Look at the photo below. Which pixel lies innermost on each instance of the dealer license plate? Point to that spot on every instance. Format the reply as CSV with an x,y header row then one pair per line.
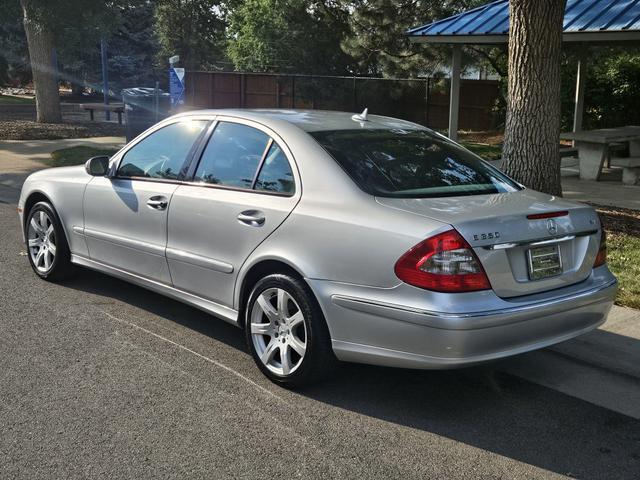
x,y
544,262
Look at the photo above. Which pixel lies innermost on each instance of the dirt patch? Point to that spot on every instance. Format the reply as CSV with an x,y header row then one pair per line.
x,y
489,137
27,130
619,220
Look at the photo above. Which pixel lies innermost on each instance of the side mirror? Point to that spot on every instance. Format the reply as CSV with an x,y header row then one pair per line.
x,y
97,166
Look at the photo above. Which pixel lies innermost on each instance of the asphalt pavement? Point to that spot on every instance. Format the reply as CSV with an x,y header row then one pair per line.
x,y
99,378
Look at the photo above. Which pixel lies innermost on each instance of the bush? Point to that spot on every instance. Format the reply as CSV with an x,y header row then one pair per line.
x,y
612,91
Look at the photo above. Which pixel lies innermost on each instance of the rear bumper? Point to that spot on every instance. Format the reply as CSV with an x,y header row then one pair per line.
x,y
429,330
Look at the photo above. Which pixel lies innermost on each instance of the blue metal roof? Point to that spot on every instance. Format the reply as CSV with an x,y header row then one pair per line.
x,y
584,20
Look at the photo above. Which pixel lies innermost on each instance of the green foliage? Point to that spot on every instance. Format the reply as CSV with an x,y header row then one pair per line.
x,y
377,39
486,151
624,261
133,48
14,57
612,89
301,36
76,155
193,29
11,100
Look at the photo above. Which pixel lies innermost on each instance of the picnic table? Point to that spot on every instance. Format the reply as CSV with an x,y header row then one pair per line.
x,y
117,108
594,148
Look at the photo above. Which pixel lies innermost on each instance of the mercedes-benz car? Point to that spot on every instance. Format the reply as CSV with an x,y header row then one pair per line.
x,y
327,235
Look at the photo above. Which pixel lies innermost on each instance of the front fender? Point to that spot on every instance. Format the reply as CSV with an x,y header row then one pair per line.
x,y
64,188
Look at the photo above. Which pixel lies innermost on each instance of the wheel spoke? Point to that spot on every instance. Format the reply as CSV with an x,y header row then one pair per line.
x,y
52,249
285,358
34,242
49,231
39,257
269,352
47,261
43,220
283,301
298,345
35,225
262,329
295,319
267,308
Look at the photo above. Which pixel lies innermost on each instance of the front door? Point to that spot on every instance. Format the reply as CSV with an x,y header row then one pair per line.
x,y
126,215
242,190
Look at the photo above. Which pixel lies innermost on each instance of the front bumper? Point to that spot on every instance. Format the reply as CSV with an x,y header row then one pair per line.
x,y
412,328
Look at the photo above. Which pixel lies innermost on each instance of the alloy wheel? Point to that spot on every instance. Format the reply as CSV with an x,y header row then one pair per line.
x,y
41,240
278,331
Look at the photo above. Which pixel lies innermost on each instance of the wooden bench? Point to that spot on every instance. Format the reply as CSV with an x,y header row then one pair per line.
x,y
117,108
630,169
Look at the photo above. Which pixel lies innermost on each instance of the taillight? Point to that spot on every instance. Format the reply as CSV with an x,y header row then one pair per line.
x,y
443,263
601,258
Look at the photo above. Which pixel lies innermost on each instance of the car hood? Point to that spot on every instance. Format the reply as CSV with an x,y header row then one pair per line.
x,y
73,171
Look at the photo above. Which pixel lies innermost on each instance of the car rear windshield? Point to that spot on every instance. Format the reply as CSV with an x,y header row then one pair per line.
x,y
411,164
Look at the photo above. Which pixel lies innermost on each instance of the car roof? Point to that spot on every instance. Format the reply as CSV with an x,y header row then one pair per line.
x,y
313,120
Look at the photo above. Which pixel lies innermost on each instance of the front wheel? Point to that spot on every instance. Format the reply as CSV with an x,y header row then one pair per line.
x,y
47,246
286,332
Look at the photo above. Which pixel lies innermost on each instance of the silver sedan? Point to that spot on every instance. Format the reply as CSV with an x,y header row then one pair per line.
x,y
328,236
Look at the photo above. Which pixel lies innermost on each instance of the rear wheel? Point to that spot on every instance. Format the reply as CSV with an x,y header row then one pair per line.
x,y
286,332
47,246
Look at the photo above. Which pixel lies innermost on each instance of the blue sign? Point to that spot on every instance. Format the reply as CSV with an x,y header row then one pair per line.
x,y
176,86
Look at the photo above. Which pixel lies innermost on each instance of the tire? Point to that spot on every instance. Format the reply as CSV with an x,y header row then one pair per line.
x,y
292,321
46,243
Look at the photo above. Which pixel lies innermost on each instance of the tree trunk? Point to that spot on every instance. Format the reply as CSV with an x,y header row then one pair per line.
x,y
532,133
45,79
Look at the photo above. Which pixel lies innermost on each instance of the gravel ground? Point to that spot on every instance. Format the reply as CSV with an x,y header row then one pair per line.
x,y
28,130
100,378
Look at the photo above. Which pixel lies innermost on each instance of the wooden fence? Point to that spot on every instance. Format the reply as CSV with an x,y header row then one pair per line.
x,y
424,101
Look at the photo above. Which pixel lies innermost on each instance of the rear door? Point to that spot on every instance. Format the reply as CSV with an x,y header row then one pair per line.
x,y
126,215
243,188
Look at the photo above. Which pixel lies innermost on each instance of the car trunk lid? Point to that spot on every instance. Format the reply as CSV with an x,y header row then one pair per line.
x,y
520,255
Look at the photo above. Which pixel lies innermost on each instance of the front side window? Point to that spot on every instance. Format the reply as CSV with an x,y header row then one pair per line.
x,y
232,155
275,174
163,153
411,164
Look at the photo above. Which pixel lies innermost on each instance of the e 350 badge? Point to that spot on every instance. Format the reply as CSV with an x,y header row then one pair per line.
x,y
486,236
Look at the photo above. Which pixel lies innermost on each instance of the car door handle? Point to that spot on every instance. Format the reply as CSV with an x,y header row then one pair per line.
x,y
158,202
253,218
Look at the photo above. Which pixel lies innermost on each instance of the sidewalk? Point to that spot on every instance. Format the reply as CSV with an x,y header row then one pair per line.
x,y
614,346
601,367
614,194
18,158
607,193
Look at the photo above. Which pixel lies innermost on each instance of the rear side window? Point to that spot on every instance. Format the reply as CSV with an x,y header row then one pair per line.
x,y
275,174
232,155
163,153
411,164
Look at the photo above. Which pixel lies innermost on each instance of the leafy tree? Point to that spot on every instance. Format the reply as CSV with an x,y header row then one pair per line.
x,y
193,29
14,57
302,36
46,24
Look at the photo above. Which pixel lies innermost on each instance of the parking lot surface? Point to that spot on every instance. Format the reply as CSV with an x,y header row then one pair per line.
x,y
100,378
